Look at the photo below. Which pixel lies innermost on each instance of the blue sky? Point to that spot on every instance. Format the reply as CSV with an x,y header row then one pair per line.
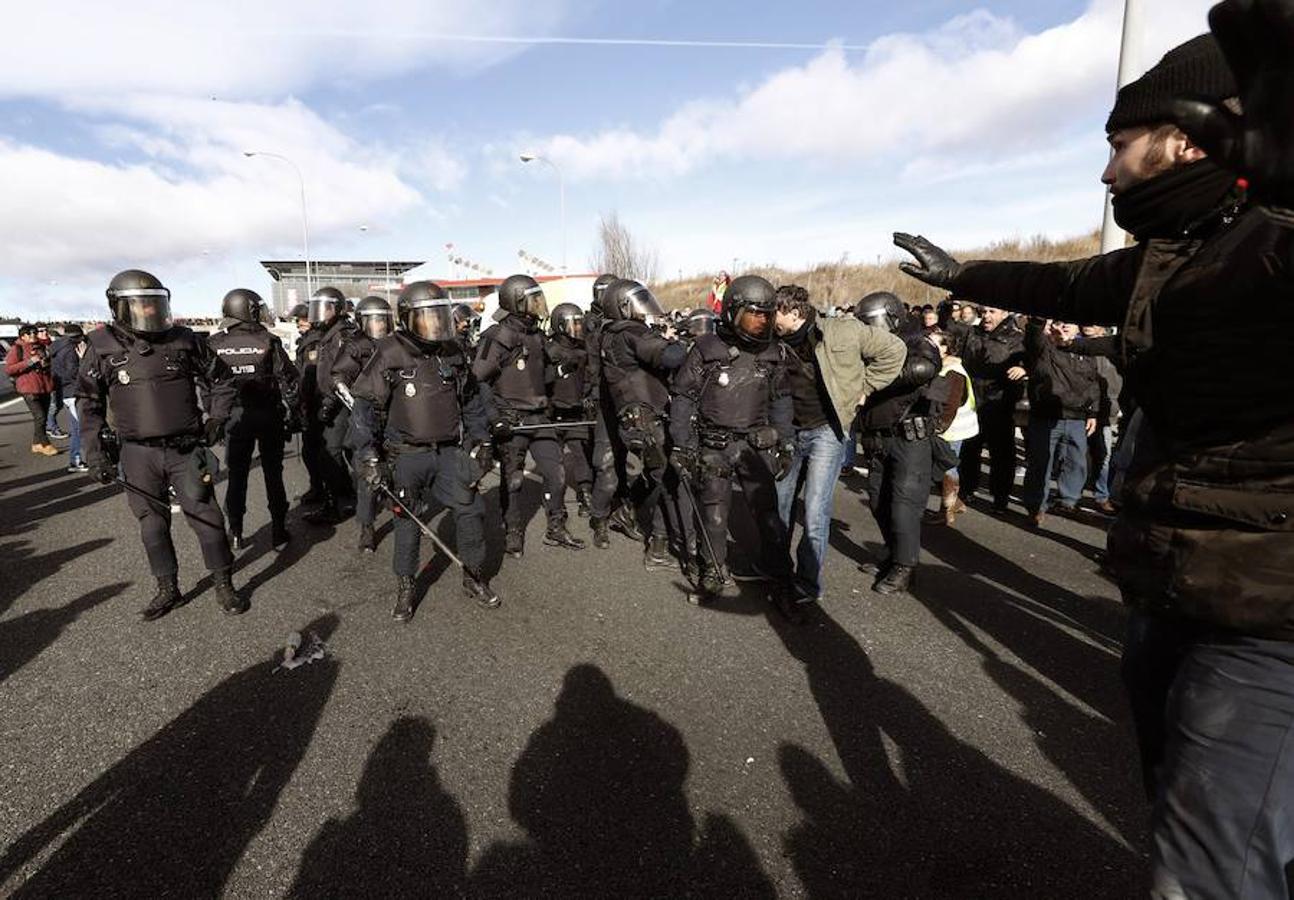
x,y
122,126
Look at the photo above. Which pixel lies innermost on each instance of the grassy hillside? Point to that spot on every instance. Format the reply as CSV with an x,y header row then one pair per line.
x,y
832,284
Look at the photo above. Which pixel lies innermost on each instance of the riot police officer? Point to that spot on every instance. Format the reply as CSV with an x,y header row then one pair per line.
x,y
698,322
328,314
638,357
376,321
142,371
512,362
266,412
732,416
572,397
307,359
436,435
610,480
467,325
896,428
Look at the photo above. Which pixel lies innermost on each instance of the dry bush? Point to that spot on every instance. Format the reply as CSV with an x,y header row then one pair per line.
x,y
840,283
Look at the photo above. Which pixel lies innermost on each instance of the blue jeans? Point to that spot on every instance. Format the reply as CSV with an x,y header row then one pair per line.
x,y
74,449
1101,444
1214,714
824,452
1045,439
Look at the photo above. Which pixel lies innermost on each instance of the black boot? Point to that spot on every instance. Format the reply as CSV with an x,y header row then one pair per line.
x,y
876,569
279,535
624,521
165,600
314,495
601,538
896,580
707,581
403,610
230,602
582,503
367,540
657,557
477,587
236,539
786,600
514,543
558,536
328,514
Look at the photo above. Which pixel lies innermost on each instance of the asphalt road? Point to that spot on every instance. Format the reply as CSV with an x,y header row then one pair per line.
x,y
595,736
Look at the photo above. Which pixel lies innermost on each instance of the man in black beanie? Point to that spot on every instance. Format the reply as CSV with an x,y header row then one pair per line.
x,y
1202,173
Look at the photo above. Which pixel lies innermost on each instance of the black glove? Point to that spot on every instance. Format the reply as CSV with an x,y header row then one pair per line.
x,y
213,432
590,409
370,468
103,472
685,462
482,457
292,424
328,409
783,457
501,430
933,266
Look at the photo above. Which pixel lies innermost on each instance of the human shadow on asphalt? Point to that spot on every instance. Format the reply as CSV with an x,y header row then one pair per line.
x,y
1092,746
407,836
599,791
25,637
25,568
52,500
921,813
35,478
173,817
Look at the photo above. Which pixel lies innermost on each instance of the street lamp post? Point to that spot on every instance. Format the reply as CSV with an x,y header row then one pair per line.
x,y
1112,236
305,222
561,191
386,286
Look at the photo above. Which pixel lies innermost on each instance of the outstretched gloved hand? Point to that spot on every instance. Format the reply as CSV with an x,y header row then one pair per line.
x,y
213,432
1257,38
103,472
934,265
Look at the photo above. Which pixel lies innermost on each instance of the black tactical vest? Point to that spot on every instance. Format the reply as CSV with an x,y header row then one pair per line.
x,y
736,387
570,364
151,392
520,382
628,377
425,391
249,352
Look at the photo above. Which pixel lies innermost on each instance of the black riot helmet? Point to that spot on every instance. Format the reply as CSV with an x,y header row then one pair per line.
x,y
467,321
242,304
631,300
567,319
375,317
600,285
522,296
426,312
300,311
701,321
881,309
749,306
326,304
139,302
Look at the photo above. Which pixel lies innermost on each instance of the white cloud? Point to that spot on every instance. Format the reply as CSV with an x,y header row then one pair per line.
x,y
975,86
237,49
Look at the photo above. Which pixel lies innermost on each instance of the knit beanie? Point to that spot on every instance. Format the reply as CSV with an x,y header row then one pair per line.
x,y
1196,70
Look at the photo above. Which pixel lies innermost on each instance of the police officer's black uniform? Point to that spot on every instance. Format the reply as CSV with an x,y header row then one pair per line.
x,y
436,437
896,429
732,415
328,312
511,361
307,359
637,362
268,385
141,373
376,321
573,398
610,477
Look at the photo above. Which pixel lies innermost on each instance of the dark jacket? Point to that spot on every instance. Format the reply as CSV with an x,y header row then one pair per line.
x,y
1061,385
987,355
1206,531
64,365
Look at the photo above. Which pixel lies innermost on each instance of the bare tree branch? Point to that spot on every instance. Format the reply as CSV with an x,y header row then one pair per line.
x,y
620,253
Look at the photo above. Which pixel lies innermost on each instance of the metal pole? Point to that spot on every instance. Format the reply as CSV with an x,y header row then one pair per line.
x,y
1112,236
305,219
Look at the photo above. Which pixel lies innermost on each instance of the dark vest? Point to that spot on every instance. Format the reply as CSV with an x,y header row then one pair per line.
x,y
570,362
151,391
521,380
425,390
629,377
248,349
736,387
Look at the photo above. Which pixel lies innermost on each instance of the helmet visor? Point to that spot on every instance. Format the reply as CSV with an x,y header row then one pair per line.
x,y
699,325
755,322
376,324
322,308
534,302
145,309
431,323
642,305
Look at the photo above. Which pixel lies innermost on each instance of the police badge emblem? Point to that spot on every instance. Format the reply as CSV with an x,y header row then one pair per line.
x,y
312,355
410,389
521,365
723,379
123,376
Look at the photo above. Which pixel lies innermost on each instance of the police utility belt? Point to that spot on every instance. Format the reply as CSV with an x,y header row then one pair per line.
x,y
395,448
184,442
916,428
763,437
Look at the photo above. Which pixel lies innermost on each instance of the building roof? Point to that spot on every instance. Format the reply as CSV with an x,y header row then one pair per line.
x,y
296,267
494,281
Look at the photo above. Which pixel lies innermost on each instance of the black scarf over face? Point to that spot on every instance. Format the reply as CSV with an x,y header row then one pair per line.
x,y
1169,204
